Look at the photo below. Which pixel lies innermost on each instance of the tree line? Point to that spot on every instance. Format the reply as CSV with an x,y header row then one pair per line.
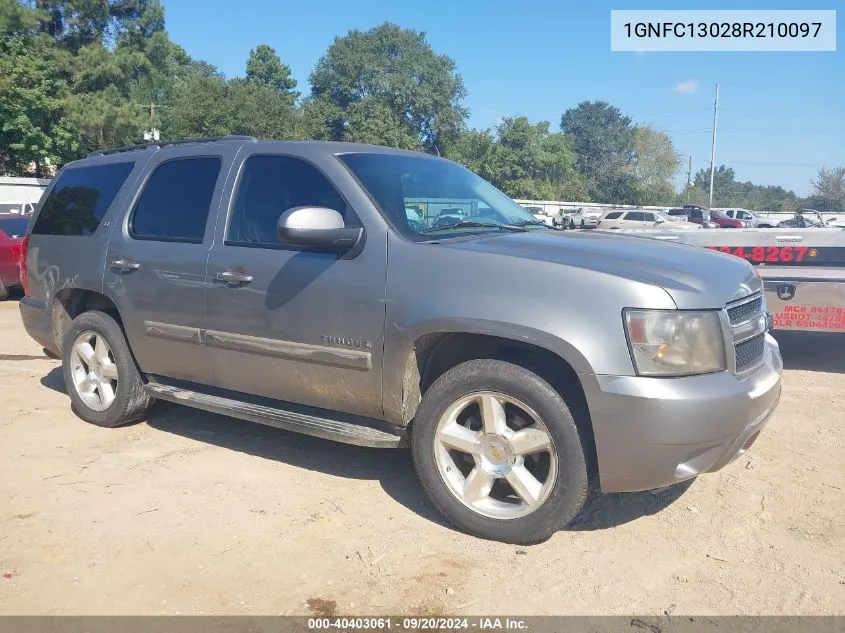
x,y
81,75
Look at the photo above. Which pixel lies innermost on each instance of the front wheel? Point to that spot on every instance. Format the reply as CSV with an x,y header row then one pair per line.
x,y
498,452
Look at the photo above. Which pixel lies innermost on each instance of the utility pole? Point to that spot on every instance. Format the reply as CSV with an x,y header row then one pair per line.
x,y
713,150
153,133
689,177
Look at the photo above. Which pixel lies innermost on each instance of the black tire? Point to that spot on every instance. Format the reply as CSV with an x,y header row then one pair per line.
x,y
131,400
571,485
582,224
4,291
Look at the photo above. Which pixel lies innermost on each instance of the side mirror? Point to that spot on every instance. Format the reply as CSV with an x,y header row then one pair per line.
x,y
317,227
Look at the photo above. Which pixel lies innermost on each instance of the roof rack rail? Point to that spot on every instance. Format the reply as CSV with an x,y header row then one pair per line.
x,y
170,143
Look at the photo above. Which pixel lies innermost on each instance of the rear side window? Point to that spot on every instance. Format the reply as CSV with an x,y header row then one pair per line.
x,y
175,202
613,215
635,216
80,199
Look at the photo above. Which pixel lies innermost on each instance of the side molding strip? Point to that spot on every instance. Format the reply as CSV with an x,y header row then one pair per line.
x,y
319,354
181,333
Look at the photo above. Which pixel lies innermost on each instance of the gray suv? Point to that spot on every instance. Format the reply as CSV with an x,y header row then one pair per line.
x,y
282,283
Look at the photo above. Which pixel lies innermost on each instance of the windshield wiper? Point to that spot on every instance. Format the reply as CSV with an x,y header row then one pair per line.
x,y
535,223
473,224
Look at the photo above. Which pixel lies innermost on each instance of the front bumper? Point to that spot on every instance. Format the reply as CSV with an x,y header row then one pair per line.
x,y
654,432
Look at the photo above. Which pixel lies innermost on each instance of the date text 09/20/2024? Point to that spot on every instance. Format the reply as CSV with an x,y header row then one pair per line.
x,y
414,624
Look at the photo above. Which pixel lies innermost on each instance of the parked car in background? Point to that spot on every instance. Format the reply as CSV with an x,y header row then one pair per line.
x,y
415,219
696,215
540,215
563,219
723,221
251,279
12,231
749,219
643,220
707,218
580,219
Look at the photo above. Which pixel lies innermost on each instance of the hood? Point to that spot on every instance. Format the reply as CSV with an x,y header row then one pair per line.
x,y
694,277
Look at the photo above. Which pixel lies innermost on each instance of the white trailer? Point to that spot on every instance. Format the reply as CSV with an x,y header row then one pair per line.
x,y
803,270
18,196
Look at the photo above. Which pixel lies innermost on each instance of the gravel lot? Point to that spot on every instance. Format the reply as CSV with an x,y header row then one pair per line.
x,y
196,513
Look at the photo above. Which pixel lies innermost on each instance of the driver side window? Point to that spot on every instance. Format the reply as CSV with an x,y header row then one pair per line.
x,y
269,185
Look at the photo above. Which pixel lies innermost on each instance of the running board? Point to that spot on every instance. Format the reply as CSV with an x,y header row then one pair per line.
x,y
330,429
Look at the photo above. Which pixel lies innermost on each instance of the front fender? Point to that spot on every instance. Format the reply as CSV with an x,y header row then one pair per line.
x,y
402,344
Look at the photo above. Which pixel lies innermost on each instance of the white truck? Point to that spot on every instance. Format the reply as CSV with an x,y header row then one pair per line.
x,y
803,270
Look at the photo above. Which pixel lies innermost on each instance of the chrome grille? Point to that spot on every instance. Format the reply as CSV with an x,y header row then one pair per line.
x,y
745,311
749,353
748,323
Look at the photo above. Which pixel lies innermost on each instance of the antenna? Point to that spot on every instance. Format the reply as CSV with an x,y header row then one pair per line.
x,y
713,150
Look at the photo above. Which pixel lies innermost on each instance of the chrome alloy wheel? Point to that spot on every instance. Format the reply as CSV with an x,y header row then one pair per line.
x,y
495,455
94,370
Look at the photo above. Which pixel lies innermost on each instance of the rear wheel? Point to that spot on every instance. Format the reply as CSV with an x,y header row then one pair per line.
x,y
102,380
499,453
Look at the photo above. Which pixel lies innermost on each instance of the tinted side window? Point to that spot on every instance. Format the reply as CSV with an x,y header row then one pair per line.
x,y
635,216
269,186
613,215
695,214
174,204
80,198
649,217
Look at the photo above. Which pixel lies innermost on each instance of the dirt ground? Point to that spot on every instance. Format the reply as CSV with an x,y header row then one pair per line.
x,y
195,513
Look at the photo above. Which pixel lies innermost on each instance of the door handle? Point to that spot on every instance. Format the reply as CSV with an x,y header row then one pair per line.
x,y
234,277
125,264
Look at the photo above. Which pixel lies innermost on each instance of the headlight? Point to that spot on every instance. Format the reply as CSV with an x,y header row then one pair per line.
x,y
674,343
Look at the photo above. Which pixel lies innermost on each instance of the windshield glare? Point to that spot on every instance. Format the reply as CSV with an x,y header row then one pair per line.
x,y
419,193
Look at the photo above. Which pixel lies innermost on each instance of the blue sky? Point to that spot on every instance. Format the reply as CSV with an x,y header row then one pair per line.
x,y
781,117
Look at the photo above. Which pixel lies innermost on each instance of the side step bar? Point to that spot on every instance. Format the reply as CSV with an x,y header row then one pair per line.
x,y
339,431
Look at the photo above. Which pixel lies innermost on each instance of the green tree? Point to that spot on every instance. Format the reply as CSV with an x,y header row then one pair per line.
x,y
603,140
475,149
395,69
261,111
265,68
829,191
34,133
728,192
655,164
523,159
198,107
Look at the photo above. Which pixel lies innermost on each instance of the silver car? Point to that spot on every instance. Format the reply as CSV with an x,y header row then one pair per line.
x,y
285,283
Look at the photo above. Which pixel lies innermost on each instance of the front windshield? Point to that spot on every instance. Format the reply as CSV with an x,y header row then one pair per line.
x,y
421,194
